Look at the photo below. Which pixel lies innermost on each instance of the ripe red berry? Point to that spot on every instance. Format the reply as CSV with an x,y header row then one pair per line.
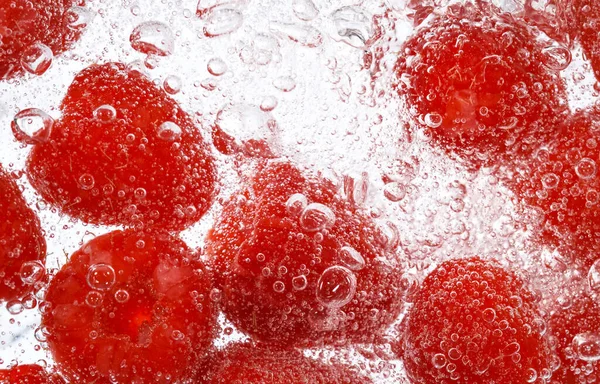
x,y
478,83
22,245
561,180
474,322
249,363
31,32
28,374
124,153
578,342
299,264
129,307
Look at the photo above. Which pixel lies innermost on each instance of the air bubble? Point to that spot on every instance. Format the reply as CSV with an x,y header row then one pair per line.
x,y
587,346
586,168
216,66
86,181
93,299
172,84
268,104
299,283
556,58
32,126
284,84
31,272
223,21
169,131
594,276
351,258
317,217
37,59
336,287
438,360
15,307
121,296
78,17
278,286
153,38
296,204
433,120
105,113
101,276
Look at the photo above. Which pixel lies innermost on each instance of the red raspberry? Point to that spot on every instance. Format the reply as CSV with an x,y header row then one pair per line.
x,y
29,27
22,245
259,364
129,307
562,181
301,265
475,80
474,322
28,374
124,153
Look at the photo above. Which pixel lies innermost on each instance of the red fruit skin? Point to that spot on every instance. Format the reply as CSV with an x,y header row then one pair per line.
x,y
474,80
25,22
28,374
587,21
261,364
255,225
21,239
583,317
452,316
165,325
561,180
120,172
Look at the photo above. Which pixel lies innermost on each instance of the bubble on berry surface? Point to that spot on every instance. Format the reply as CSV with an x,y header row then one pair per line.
x,y
279,286
32,126
172,84
336,287
352,26
32,272
296,204
86,182
594,276
94,299
153,38
439,361
37,59
216,66
101,277
351,258
556,57
317,217
299,283
121,296
78,17
105,113
305,10
587,346
433,120
305,35
169,131
222,21
586,168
